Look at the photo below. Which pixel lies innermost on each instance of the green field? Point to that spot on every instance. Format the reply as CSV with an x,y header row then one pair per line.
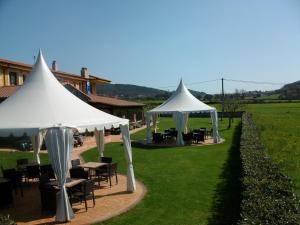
x,y
186,185
279,125
199,185
8,159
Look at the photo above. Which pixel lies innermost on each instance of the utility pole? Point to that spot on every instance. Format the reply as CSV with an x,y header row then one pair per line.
x,y
222,99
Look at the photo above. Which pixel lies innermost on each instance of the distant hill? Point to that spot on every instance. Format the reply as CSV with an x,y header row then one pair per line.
x,y
290,91
129,91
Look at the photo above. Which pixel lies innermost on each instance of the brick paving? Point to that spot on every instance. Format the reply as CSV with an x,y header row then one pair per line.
x,y
90,142
110,202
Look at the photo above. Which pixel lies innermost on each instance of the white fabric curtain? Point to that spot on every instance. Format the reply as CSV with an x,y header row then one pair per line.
x,y
214,120
179,122
186,120
148,123
154,121
99,136
128,155
59,142
37,141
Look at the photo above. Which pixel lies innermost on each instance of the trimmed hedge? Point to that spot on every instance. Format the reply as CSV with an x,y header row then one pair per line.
x,y
268,197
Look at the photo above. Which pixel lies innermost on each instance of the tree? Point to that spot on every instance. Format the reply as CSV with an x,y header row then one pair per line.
x,y
232,103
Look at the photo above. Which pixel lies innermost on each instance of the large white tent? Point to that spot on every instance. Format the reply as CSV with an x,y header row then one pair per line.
x,y
180,105
43,108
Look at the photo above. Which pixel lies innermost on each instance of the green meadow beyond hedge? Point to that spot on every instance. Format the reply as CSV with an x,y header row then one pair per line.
x,y
268,195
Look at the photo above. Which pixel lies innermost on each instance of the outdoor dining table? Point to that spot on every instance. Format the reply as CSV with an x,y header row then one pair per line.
x,y
92,166
70,182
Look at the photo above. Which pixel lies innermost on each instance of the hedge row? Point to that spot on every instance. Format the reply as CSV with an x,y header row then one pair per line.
x,y
268,197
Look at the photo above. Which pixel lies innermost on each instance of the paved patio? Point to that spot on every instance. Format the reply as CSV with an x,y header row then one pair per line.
x,y
110,202
208,141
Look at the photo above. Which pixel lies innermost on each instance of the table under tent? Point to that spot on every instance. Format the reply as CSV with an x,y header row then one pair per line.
x,y
180,105
44,109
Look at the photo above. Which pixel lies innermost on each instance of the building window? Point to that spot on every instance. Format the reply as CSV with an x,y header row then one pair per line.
x,y
24,77
13,78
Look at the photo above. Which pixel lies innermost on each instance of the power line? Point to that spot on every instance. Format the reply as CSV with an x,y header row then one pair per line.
x,y
225,79
254,82
189,84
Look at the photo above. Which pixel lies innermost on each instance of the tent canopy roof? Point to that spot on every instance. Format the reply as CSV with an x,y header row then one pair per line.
x,y
182,101
42,102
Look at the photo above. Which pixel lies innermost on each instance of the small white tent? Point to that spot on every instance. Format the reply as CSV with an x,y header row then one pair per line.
x,y
180,105
42,107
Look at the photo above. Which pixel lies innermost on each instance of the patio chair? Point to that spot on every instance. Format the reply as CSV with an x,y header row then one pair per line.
x,y
157,138
47,170
75,163
85,192
79,173
187,138
21,162
106,159
48,198
174,133
32,172
205,131
198,136
15,177
44,179
108,173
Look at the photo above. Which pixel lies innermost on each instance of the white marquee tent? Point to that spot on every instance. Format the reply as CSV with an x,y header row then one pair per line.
x,y
43,108
180,105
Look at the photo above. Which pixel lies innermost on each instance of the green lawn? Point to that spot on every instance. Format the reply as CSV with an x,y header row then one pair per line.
x,y
186,185
8,159
280,132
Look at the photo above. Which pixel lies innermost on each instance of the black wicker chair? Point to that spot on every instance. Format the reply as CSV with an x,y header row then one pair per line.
x,y
6,197
32,172
187,138
16,179
157,138
106,159
48,198
108,172
85,192
79,172
75,163
47,170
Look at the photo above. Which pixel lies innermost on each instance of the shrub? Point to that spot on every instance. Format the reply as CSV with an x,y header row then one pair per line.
x,y
268,196
6,220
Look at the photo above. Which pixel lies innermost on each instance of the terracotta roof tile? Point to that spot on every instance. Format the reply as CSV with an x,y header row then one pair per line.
x,y
7,91
112,101
62,73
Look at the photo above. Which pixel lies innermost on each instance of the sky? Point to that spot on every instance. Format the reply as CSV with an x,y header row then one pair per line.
x,y
155,43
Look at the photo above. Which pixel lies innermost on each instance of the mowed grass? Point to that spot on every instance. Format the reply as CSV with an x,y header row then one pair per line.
x,y
279,125
8,159
186,185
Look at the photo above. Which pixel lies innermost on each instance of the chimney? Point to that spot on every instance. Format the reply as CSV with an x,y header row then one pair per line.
x,y
54,65
84,72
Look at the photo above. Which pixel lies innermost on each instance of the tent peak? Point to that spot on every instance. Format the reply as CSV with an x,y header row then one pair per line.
x,y
181,86
40,59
